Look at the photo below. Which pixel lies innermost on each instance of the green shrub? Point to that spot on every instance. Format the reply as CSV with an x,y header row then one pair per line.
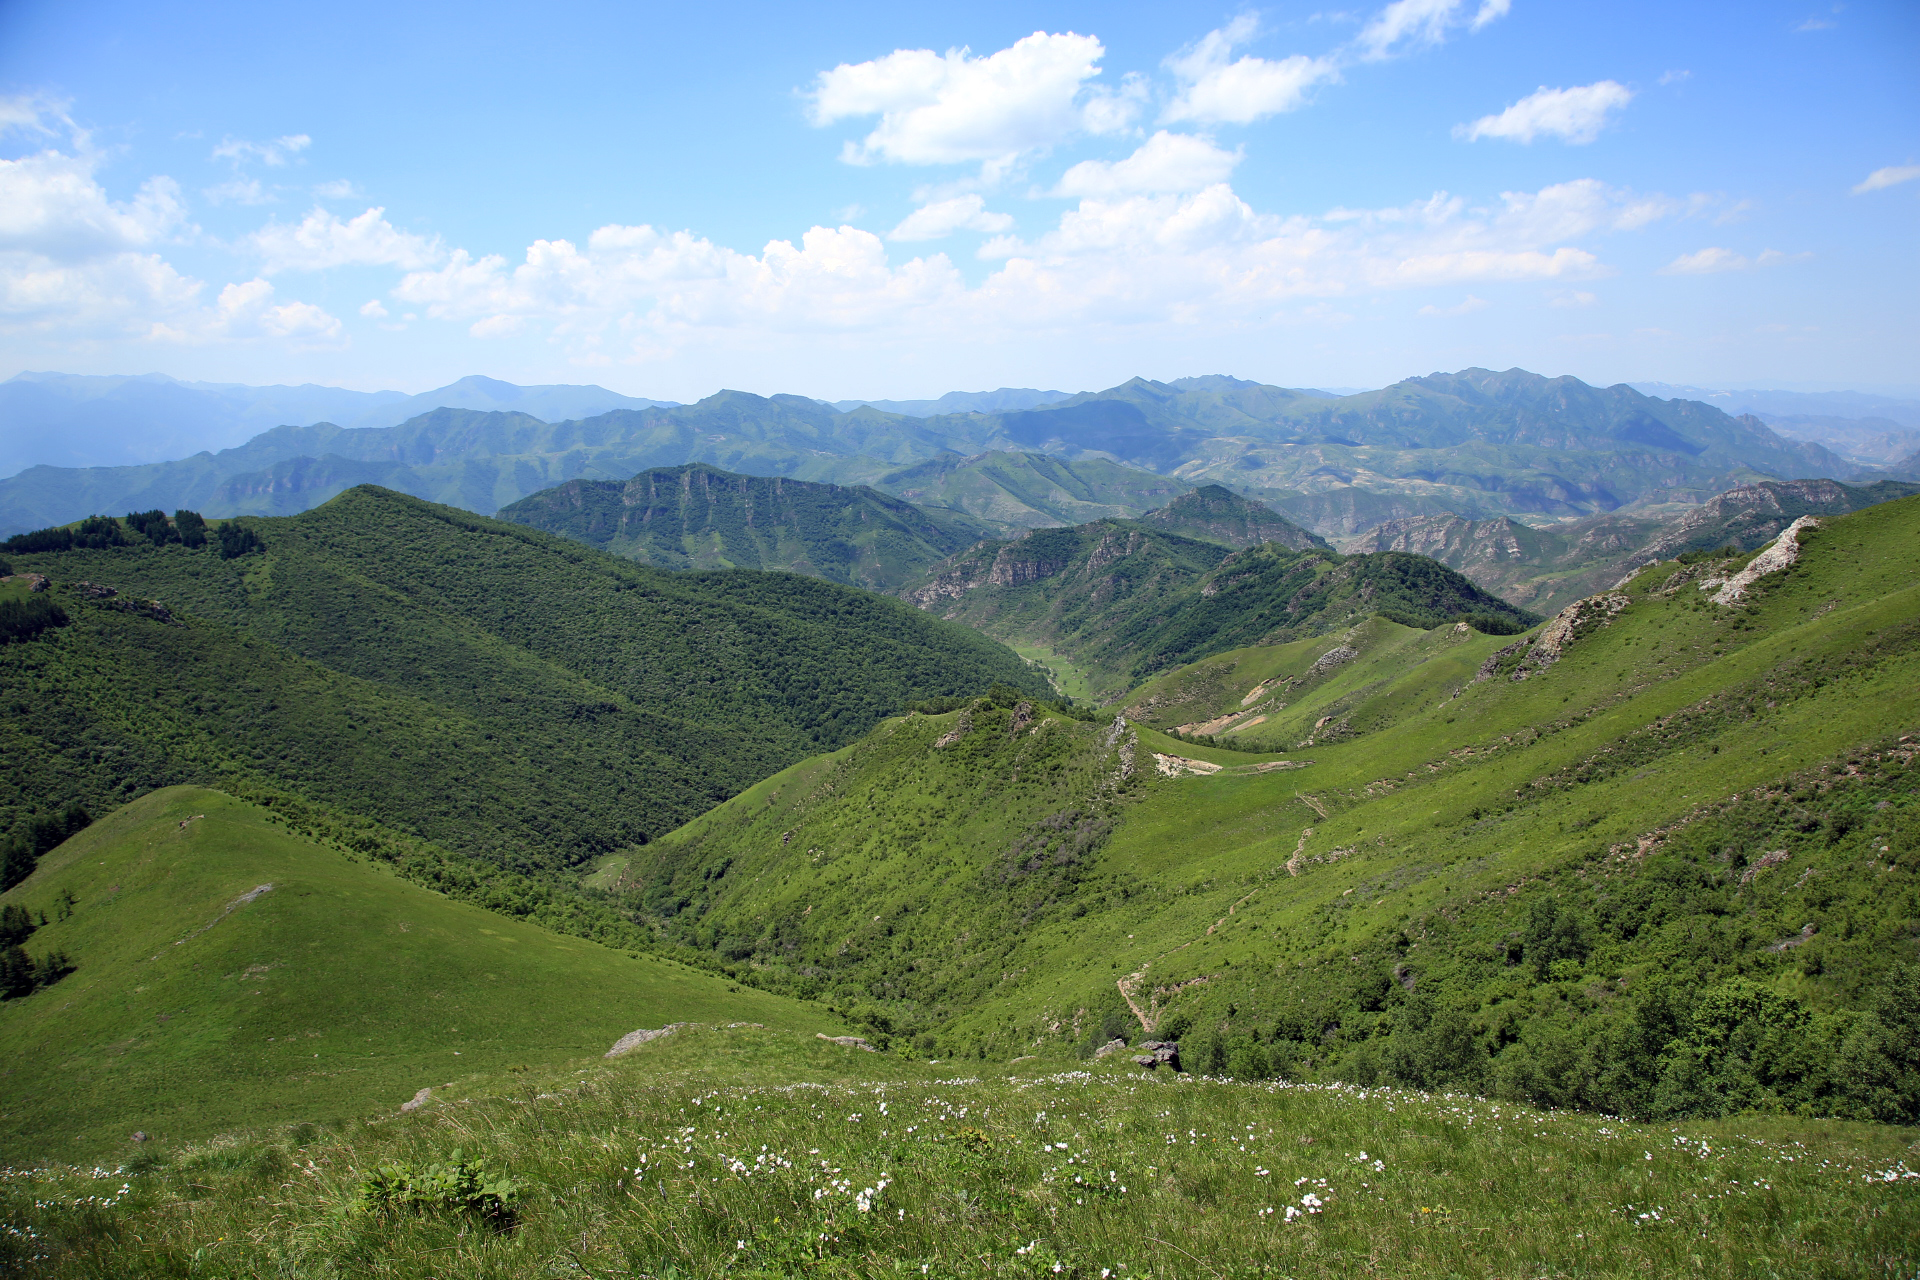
x,y
459,1186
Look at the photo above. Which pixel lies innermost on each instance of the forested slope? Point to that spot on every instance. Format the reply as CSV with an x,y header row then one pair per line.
x,y
497,689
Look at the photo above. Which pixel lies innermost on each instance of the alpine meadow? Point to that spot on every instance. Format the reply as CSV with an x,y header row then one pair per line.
x,y
1381,740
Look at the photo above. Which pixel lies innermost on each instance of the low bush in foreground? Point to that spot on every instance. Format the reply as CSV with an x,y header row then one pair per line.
x,y
622,1172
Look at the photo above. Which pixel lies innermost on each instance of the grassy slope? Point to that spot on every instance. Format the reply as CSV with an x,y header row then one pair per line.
x,y
1432,825
497,689
341,991
697,1155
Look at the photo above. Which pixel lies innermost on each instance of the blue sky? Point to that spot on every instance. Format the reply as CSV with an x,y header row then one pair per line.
x,y
900,201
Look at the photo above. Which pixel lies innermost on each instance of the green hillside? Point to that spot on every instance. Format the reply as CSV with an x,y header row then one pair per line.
x,y
1213,514
501,691
1118,601
699,517
1656,858
200,1001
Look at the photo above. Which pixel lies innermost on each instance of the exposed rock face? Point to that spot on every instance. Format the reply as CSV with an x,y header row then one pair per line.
x,y
417,1101
1339,655
1111,1047
848,1042
1160,1053
634,1039
1752,513
1542,649
1784,551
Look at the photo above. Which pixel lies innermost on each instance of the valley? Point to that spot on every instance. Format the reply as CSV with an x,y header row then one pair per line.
x,y
1528,839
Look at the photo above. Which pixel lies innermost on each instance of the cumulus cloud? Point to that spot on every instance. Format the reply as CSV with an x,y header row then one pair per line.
x,y
1573,115
1576,298
51,204
942,218
274,153
1710,260
245,310
1123,258
240,191
322,240
373,309
954,108
1218,89
1165,162
1406,25
1891,176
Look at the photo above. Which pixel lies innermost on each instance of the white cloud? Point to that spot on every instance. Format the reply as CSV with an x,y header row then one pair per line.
x,y
1891,176
1675,77
338,189
373,310
1164,162
322,240
1577,298
51,204
248,310
1573,115
956,108
1406,25
1218,90
944,217
274,153
1489,11
1467,307
1710,260
1128,259
117,296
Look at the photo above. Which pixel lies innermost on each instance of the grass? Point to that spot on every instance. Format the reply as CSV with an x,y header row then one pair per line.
x,y
743,1153
341,990
1068,678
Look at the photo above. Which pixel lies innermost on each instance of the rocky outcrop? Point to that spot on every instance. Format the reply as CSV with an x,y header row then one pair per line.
x,y
1116,1045
847,1042
1541,650
1783,552
1160,1053
418,1100
634,1039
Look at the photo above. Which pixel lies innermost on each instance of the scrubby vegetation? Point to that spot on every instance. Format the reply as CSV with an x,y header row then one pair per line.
x,y
741,1153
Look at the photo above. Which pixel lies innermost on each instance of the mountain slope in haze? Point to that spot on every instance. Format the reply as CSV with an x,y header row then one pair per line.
x,y
1013,491
74,420
699,517
1769,405
1549,567
221,979
1001,401
1474,443
499,690
1120,600
1656,859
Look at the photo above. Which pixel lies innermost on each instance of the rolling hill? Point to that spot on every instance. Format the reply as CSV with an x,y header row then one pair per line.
x,y
230,972
504,692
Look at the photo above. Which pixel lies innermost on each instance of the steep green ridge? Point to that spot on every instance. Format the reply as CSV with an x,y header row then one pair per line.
x,y
1122,600
1575,869
1473,443
498,690
699,517
1547,568
199,1002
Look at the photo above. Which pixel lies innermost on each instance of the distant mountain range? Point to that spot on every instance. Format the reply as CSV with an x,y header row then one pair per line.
x,y
1878,430
1475,444
77,420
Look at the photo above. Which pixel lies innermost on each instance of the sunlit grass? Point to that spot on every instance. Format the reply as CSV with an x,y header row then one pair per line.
x,y
640,1169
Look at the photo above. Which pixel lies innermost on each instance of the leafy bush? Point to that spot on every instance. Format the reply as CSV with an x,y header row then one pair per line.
x,y
154,526
459,1186
1492,624
192,528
